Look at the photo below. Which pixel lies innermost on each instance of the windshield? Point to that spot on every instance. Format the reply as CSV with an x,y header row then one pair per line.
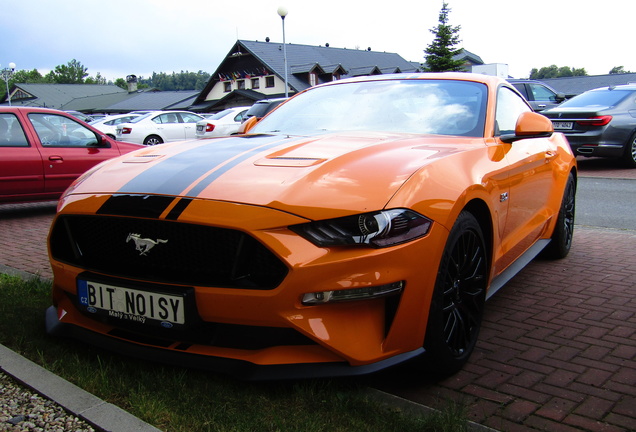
x,y
445,107
141,117
221,114
600,98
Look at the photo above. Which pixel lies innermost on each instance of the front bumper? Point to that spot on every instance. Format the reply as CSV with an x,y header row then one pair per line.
x,y
241,369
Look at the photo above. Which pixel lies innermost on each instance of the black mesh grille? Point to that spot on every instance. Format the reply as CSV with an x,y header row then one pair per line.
x,y
193,254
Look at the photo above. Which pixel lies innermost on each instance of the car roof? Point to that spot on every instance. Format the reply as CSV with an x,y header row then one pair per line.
x,y
627,87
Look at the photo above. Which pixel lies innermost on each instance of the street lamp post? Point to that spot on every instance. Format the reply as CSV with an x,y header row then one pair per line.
x,y
7,73
282,11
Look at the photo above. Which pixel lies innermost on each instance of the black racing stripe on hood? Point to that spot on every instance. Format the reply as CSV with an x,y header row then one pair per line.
x,y
177,173
146,206
178,209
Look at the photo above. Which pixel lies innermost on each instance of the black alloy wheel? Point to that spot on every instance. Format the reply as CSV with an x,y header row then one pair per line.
x,y
561,241
458,299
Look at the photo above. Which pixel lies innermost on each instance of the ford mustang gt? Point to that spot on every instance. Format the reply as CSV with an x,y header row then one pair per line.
x,y
362,223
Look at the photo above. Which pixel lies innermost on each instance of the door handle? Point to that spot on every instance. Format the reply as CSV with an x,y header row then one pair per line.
x,y
56,158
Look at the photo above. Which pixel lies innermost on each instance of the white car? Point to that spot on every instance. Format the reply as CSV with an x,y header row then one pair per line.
x,y
226,122
108,125
159,127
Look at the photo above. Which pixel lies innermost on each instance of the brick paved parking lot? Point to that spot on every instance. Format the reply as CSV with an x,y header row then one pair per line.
x,y
557,350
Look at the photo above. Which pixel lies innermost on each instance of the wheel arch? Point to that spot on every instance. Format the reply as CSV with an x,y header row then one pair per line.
x,y
480,210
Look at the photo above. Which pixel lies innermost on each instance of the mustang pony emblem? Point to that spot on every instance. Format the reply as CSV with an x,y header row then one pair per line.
x,y
143,245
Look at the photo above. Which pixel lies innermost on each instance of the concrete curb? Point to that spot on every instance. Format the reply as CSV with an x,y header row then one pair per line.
x,y
413,408
103,416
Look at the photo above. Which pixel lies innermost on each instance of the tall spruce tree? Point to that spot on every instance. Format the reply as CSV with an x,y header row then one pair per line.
x,y
439,54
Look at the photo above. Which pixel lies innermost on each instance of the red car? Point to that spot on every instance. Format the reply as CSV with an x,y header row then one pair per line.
x,y
43,150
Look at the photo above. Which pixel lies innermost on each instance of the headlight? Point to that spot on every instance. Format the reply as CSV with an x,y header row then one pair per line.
x,y
377,229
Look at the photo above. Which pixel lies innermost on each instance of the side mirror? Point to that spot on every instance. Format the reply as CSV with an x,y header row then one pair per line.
x,y
249,124
560,97
101,141
530,125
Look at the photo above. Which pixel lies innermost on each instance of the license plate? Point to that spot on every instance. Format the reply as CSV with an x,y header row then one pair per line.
x,y
563,125
131,304
199,128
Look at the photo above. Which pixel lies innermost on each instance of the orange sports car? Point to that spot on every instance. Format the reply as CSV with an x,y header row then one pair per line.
x,y
362,223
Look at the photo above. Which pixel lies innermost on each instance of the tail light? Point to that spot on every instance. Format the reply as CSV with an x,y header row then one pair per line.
x,y
126,130
209,127
596,121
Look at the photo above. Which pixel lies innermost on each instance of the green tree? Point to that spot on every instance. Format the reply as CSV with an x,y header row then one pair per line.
x,y
71,73
120,82
554,71
440,53
98,79
618,70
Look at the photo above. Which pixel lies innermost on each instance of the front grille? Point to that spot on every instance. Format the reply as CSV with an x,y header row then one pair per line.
x,y
191,254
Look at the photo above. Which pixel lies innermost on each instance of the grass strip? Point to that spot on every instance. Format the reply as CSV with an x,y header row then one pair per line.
x,y
178,399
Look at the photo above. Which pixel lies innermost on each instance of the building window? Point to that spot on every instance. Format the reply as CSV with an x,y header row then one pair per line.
x,y
335,77
256,83
269,81
241,84
227,87
313,79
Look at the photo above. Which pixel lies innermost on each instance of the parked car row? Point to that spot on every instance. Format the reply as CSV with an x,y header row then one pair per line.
x,y
597,123
600,122
42,151
158,127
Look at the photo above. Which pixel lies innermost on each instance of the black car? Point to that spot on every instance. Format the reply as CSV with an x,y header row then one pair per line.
x,y
600,122
540,95
262,107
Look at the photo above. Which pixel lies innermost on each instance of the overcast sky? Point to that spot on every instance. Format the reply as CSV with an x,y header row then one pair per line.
x,y
122,37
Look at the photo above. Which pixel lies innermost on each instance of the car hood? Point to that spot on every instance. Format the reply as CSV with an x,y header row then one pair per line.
x,y
347,173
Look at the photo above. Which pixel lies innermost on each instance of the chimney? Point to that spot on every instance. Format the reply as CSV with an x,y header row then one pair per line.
x,y
132,83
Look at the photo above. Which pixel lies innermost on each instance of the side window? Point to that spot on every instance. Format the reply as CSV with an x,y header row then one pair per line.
x,y
521,88
11,132
509,108
189,118
166,118
60,131
542,93
239,117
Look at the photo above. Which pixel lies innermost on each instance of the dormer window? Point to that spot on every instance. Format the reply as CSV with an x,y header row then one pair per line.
x,y
313,78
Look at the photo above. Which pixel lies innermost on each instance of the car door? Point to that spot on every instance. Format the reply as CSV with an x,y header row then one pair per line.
x,y
529,179
542,97
189,124
68,149
21,169
169,127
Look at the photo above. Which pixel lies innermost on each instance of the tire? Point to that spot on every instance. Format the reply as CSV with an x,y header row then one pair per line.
x,y
629,157
153,140
458,298
561,240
